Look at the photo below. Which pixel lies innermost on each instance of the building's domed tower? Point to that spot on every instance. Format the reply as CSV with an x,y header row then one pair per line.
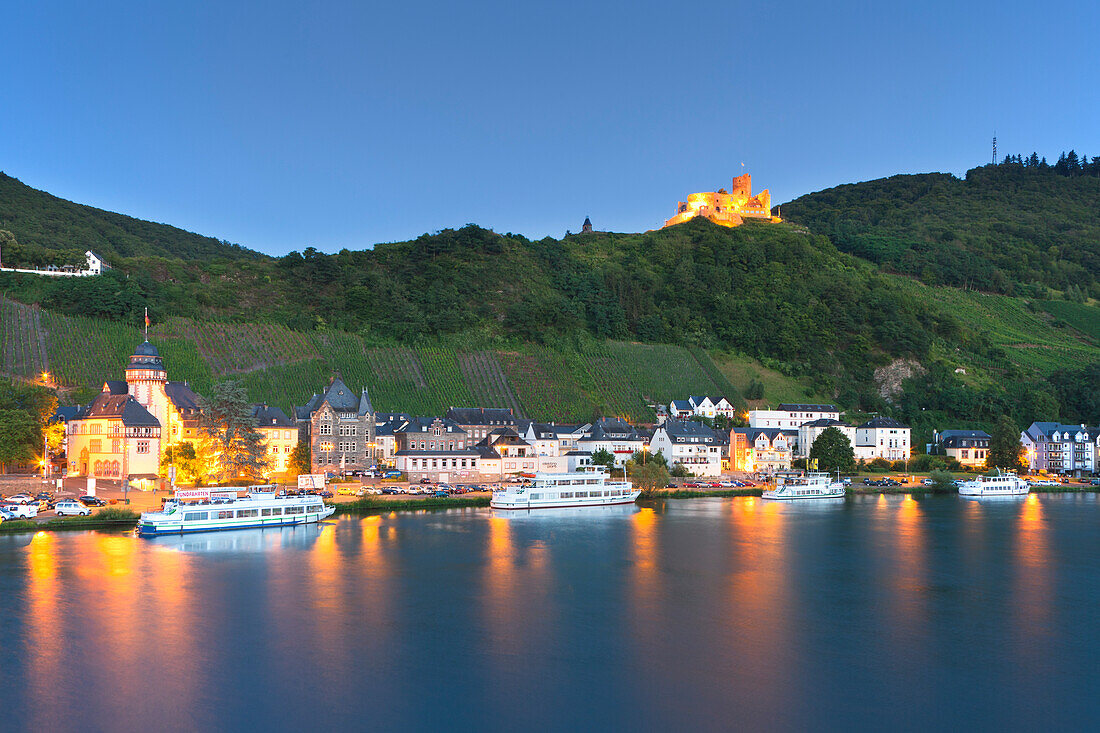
x,y
145,379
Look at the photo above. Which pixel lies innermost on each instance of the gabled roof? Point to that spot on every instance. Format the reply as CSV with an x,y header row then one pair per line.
x,y
964,441
270,416
883,422
613,429
116,386
698,399
751,434
395,418
481,415
303,412
687,431
800,407
424,424
185,399
679,405
65,413
340,397
123,406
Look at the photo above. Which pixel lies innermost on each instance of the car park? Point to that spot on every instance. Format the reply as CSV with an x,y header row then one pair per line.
x,y
71,509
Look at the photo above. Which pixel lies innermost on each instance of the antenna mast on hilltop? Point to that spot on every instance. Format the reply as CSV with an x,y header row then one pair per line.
x,y
994,147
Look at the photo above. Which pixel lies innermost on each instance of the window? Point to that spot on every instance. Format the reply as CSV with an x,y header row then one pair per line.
x,y
315,507
277,511
225,514
195,516
265,512
324,430
143,446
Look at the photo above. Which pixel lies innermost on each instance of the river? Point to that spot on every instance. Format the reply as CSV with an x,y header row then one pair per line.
x,y
703,614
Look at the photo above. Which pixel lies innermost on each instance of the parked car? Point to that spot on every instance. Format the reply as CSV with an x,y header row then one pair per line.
x,y
425,480
440,494
72,509
21,511
1095,482
20,499
92,501
389,490
345,491
927,482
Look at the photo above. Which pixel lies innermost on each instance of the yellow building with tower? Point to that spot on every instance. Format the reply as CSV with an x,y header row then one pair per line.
x,y
727,209
127,427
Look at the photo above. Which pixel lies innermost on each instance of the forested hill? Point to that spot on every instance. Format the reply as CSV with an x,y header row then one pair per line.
x,y
50,230
1018,227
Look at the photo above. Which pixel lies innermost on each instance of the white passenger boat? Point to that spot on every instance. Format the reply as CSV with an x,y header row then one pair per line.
x,y
583,488
207,510
1001,483
798,485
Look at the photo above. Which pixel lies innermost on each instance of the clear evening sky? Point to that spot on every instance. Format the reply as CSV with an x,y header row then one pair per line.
x,y
280,125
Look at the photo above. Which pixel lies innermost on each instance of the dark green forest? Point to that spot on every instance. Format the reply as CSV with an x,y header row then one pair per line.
x,y
1021,227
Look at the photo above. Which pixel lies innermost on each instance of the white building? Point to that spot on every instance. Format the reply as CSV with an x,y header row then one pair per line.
x,y
792,416
882,437
615,436
710,407
808,432
690,443
1058,448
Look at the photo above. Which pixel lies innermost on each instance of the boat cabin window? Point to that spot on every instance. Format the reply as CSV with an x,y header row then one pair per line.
x,y
567,494
265,512
582,494
225,514
315,507
277,511
535,496
194,516
248,512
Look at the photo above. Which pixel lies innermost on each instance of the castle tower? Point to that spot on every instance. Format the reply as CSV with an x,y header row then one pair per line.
x,y
586,228
742,186
145,380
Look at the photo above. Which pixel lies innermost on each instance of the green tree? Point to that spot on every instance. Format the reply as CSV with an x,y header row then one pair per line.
x,y
603,457
18,436
833,450
942,479
229,432
190,465
649,477
755,390
644,458
300,459
1005,448
679,470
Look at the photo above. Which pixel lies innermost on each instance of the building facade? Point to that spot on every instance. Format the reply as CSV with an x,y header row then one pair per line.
x,y
761,450
883,437
280,437
968,447
810,431
1058,448
689,443
339,425
113,438
791,416
436,449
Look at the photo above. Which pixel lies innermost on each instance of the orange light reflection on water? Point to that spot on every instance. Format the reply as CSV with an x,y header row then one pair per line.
x,y
499,589
43,621
1032,583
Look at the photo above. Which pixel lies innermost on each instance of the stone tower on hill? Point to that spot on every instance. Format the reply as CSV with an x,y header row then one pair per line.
x,y
586,228
728,209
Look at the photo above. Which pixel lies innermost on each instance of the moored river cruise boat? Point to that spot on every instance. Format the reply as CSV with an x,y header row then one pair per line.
x,y
798,485
555,490
1001,483
207,510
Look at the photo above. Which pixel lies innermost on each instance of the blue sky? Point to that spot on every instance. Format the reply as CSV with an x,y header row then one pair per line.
x,y
281,125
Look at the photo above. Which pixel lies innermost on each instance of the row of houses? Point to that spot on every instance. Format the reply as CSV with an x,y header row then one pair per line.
x,y
128,427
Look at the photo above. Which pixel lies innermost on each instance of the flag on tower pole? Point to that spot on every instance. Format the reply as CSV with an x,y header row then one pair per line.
x,y
146,324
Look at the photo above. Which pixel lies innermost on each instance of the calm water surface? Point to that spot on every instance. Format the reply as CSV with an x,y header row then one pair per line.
x,y
873,612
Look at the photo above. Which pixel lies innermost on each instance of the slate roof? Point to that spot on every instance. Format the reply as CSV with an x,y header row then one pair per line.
x,y
481,415
751,434
116,386
132,413
65,413
339,397
884,422
800,407
688,431
184,398
825,422
965,441
681,405
1047,429
270,416
613,429
424,424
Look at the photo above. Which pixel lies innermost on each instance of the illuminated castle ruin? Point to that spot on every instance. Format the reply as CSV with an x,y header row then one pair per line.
x,y
728,209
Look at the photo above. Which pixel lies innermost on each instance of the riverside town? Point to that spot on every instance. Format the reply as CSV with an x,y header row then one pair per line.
x,y
594,367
